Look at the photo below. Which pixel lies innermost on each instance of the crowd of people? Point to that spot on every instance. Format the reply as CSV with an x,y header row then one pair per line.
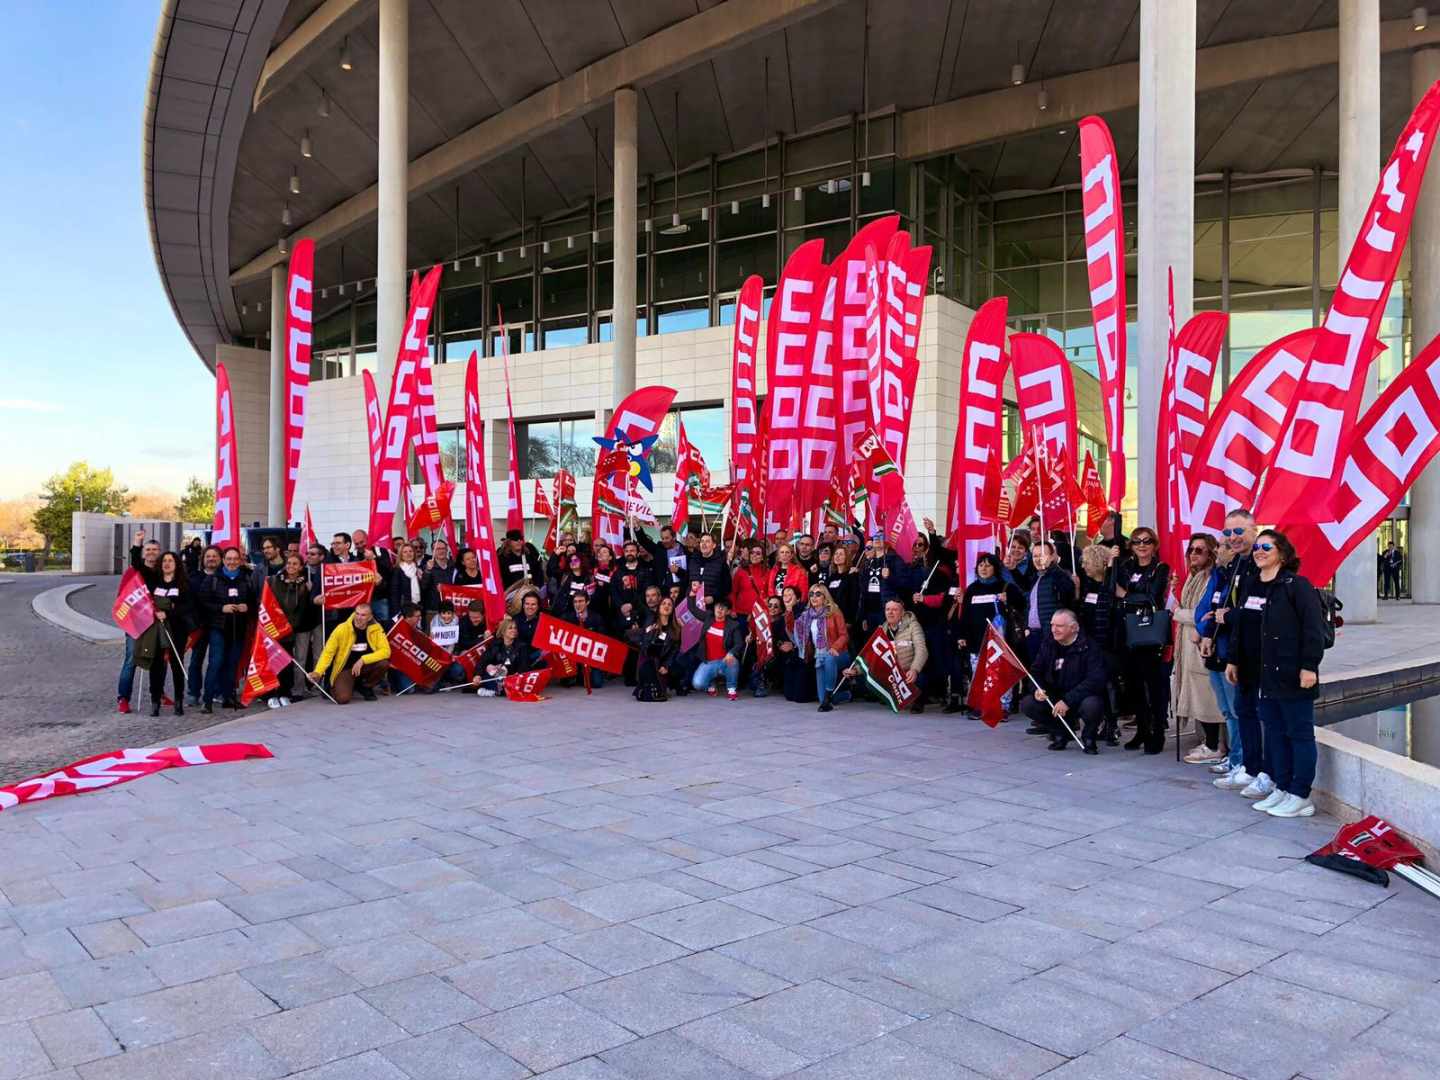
x,y
1092,622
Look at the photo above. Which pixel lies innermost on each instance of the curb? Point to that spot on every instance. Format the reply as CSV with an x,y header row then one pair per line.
x,y
51,606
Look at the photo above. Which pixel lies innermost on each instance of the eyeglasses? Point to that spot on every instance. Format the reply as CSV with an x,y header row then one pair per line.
x,y
1263,547
1199,551
1142,541
1232,532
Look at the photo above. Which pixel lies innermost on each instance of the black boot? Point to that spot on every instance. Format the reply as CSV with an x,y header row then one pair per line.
x,y
952,706
1089,747
1058,742
1110,732
155,708
1139,738
179,708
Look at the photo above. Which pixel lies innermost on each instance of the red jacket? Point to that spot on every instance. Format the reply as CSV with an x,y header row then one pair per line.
x,y
749,584
793,575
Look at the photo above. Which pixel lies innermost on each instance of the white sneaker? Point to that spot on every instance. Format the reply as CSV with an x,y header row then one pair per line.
x,y
1293,806
284,702
1275,798
1234,780
1222,767
1261,786
272,703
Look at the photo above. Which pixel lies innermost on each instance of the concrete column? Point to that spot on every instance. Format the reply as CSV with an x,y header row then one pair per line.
x,y
627,181
1359,172
391,286
275,508
1425,324
1166,218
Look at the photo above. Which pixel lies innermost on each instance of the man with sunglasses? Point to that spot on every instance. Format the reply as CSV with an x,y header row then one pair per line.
x,y
1228,581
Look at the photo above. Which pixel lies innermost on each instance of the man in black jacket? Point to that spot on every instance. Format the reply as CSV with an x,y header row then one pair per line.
x,y
707,566
1053,591
581,615
145,559
1071,672
519,559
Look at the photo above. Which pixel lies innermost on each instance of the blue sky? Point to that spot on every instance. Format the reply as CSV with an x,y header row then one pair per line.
x,y
93,364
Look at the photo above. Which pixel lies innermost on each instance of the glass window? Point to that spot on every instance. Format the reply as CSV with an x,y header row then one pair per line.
x,y
736,260
464,309
752,217
546,446
682,315
451,441
565,332
704,428
605,280
681,274
820,200
513,299
607,329
564,292
333,331
365,323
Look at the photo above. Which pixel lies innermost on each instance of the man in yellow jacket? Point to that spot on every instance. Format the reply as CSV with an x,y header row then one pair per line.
x,y
357,655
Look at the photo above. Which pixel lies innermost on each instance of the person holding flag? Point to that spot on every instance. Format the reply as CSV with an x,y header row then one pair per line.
x,y
357,656
144,560
290,592
989,600
229,600
1070,681
505,655
165,639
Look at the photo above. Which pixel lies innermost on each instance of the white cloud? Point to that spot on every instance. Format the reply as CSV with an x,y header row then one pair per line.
x,y
30,405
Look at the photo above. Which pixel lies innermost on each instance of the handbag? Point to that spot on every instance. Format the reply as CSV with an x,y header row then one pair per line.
x,y
1147,628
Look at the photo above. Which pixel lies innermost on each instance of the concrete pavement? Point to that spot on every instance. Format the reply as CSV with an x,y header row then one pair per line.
x,y
591,889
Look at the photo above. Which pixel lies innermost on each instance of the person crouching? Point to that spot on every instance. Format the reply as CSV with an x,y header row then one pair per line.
x,y
1070,669
357,656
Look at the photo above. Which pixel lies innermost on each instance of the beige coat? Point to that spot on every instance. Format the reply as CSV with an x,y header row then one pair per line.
x,y
909,640
1190,691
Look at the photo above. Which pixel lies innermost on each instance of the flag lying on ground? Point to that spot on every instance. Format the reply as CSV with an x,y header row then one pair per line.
x,y
881,668
997,670
118,766
414,655
344,585
527,685
1371,846
133,610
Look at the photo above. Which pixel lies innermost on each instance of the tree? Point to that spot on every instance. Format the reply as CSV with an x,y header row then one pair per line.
x,y
77,488
198,502
15,529
152,504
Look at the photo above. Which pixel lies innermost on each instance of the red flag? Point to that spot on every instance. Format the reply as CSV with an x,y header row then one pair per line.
x,y
761,631
997,670
790,339
880,666
905,308
1388,450
120,766
561,666
307,533
479,526
373,426
133,610
514,512
1105,258
259,678
1096,506
743,413
415,656
427,452
580,644
299,297
527,685
639,415
469,660
1320,415
346,585
851,352
225,531
434,510
1044,389
545,510
975,461
385,499
270,616
462,596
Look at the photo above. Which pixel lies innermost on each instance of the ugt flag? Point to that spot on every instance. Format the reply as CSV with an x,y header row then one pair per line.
x,y
879,664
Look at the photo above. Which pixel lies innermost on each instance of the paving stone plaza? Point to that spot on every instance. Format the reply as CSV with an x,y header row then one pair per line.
x,y
592,889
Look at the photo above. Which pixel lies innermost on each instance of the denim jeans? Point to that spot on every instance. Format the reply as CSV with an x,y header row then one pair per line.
x,y
1290,742
126,688
710,670
195,669
1225,699
827,674
1247,715
220,672
381,610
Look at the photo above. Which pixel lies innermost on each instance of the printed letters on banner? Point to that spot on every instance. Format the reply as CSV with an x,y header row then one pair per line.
x,y
270,617
790,340
996,672
373,430
527,685
119,766
469,660
978,436
514,512
1105,258
1045,390
133,610
385,499
434,510
462,596
1167,451
479,522
580,644
345,585
299,297
879,664
760,630
415,656
1393,442
1182,425
1321,414
260,678
427,451
851,364
225,531
744,420
638,416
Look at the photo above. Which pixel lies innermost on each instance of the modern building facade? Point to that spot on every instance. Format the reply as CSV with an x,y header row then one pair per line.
x,y
567,161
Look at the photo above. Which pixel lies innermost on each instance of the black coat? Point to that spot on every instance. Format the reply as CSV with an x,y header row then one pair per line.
x,y
1145,586
399,590
514,566
217,591
294,601
1054,590
661,644
976,612
628,586
712,572
514,658
1070,673
1291,633
1097,615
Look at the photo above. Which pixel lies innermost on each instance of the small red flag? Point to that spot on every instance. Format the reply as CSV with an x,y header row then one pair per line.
x,y
1096,501
133,610
996,671
527,685
259,678
433,511
270,616
469,660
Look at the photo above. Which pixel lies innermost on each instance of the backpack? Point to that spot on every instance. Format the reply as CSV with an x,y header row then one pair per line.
x,y
1330,617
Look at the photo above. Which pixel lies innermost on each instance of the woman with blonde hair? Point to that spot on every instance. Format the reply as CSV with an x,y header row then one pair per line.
x,y
1190,689
822,638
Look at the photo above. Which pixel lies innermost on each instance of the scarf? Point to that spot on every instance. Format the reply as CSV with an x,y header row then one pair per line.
x,y
412,571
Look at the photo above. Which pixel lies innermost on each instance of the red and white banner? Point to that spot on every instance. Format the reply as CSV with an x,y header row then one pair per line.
x,y
582,645
415,656
433,511
133,610
469,660
680,510
744,418
462,596
225,530
1303,477
307,534
270,617
514,512
299,317
880,665
1388,450
907,272
119,766
262,668
640,414
1167,450
1096,503
427,450
789,341
385,499
997,670
760,631
978,435
527,685
1105,257
851,351
1045,391
479,521
345,585
374,427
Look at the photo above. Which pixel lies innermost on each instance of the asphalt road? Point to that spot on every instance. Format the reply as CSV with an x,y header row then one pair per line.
x,y
57,691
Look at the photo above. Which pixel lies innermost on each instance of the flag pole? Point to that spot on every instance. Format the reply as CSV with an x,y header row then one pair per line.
x,y
1026,672
312,681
